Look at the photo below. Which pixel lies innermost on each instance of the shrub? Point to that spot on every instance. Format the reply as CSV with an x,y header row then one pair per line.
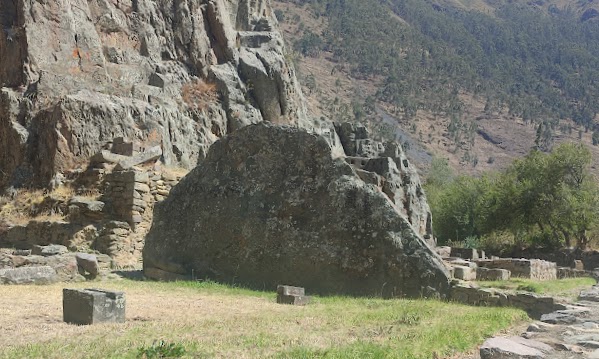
x,y
279,15
198,94
161,349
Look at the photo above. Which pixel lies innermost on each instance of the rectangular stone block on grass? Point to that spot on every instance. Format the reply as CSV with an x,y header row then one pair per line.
x,y
292,295
92,306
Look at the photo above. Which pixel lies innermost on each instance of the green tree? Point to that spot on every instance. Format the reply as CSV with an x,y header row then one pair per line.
x,y
550,198
553,193
595,138
458,208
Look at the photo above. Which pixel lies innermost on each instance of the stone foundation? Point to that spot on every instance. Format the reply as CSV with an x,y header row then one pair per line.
x,y
494,274
524,268
533,304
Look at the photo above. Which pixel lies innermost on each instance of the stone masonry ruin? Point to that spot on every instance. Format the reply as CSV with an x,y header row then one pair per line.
x,y
525,268
114,224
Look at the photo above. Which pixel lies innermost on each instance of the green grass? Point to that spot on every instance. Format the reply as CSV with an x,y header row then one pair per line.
x,y
566,288
206,320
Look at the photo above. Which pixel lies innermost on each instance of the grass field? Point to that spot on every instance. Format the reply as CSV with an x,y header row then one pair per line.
x,y
565,288
210,320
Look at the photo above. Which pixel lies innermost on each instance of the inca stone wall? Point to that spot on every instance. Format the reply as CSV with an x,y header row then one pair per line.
x,y
526,268
534,305
271,205
115,225
128,195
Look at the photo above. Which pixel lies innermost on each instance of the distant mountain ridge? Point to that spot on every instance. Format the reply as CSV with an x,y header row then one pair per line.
x,y
583,8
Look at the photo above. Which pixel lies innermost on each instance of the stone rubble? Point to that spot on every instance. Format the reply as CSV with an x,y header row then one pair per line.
x,y
51,264
569,333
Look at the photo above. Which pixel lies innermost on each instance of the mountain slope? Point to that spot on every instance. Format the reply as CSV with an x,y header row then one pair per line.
x,y
455,72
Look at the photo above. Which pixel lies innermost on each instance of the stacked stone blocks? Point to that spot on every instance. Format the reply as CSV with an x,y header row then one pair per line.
x,y
128,192
161,185
292,295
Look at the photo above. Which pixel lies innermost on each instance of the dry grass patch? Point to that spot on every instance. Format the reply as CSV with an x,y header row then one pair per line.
x,y
199,94
39,205
216,321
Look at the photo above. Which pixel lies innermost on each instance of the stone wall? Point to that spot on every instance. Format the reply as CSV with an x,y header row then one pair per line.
x,y
525,268
48,232
116,240
161,184
562,257
116,225
533,304
566,272
127,194
467,253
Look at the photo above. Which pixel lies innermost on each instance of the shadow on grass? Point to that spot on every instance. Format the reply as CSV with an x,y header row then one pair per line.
x,y
137,275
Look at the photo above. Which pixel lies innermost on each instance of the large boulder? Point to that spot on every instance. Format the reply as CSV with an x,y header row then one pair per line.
x,y
28,275
271,205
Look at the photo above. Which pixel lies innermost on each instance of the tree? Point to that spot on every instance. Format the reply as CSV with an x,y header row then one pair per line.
x,y
595,137
550,198
552,192
458,208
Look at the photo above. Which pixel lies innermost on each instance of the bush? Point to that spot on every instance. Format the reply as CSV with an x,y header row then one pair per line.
x,y
161,349
279,15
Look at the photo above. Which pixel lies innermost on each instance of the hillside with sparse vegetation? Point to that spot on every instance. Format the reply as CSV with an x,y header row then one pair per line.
x,y
477,82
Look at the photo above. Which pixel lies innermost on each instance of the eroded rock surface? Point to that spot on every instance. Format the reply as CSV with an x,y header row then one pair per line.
x,y
272,205
77,74
386,166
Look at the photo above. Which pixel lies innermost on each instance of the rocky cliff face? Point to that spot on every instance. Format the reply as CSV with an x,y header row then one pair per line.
x,y
99,84
386,166
272,205
176,73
